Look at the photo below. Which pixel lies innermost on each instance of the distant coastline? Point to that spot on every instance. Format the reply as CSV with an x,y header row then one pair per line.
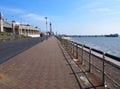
x,y
109,35
112,35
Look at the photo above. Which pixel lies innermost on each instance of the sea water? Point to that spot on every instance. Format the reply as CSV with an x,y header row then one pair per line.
x,y
109,45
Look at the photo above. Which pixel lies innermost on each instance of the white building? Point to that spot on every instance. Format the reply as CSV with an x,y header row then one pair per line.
x,y
17,28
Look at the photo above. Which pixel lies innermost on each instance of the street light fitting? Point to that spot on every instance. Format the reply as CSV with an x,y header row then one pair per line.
x,y
46,18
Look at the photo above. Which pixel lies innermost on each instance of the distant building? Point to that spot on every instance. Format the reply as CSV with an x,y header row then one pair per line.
x,y
18,28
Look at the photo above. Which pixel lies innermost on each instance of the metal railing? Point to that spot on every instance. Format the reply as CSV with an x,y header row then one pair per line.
x,y
103,65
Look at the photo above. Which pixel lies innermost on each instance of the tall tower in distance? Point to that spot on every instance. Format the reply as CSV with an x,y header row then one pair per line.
x,y
1,22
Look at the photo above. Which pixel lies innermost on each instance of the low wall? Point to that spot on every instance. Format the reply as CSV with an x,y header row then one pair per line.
x,y
34,35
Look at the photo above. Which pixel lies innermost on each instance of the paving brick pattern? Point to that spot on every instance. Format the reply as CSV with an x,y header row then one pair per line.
x,y
40,67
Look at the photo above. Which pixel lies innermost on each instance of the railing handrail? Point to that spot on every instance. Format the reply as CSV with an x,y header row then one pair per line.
x,y
107,60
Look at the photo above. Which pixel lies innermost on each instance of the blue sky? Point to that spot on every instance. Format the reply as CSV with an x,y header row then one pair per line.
x,y
84,17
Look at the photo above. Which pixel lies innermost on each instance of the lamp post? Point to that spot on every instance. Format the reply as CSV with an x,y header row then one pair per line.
x,y
13,29
46,24
50,29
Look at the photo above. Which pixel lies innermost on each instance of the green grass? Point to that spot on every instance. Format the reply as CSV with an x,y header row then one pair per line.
x,y
6,36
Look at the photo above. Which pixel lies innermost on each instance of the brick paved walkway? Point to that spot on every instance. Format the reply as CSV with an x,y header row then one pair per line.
x,y
40,67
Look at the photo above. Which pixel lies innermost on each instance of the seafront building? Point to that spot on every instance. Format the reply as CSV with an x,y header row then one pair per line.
x,y
18,28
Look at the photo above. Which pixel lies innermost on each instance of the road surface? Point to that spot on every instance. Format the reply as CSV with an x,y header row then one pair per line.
x,y
12,48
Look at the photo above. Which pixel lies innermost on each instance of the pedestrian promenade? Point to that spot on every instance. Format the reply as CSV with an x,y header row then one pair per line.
x,y
41,67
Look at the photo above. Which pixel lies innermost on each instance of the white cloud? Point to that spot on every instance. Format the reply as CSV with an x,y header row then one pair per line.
x,y
101,10
34,20
92,5
35,17
11,10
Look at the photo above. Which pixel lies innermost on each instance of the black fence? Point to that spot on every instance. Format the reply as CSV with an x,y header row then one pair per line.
x,y
103,65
